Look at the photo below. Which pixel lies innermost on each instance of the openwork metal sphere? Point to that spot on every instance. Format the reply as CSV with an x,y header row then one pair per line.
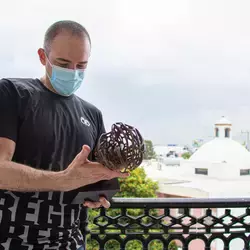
x,y
120,149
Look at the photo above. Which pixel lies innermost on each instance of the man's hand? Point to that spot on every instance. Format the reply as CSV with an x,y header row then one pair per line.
x,y
101,203
82,172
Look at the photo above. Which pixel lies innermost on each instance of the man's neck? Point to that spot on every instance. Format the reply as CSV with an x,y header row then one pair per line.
x,y
45,81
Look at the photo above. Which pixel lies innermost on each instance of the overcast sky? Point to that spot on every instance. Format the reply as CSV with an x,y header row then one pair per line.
x,y
170,68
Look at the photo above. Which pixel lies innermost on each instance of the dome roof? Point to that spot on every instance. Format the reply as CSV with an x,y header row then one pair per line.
x,y
222,150
223,121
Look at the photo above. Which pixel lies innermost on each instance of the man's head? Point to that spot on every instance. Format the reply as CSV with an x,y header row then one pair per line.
x,y
71,27
67,45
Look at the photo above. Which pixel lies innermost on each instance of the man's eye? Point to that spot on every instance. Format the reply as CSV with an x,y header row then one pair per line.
x,y
82,66
63,65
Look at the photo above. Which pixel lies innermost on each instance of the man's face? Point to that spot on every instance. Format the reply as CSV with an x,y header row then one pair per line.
x,y
67,51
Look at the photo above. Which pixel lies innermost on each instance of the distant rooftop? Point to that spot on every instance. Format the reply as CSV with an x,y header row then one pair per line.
x,y
223,121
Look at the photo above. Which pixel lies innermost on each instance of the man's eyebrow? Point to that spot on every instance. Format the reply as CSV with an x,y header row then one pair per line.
x,y
68,61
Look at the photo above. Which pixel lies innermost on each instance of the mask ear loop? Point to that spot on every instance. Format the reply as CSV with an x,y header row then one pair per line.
x,y
52,77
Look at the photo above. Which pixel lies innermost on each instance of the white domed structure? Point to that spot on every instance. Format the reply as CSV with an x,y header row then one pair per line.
x,y
222,157
222,151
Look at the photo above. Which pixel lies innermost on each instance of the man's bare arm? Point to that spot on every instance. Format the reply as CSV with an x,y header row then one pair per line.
x,y
18,177
81,172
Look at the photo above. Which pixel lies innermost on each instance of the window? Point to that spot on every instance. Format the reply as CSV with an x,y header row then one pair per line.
x,y
216,132
227,132
202,171
245,172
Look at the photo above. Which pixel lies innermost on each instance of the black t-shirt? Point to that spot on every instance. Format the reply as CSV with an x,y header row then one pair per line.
x,y
49,131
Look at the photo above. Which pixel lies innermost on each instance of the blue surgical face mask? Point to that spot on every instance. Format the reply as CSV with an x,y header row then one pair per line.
x,y
65,81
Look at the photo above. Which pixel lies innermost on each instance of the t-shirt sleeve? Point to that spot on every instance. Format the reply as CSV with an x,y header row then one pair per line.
x,y
100,130
101,126
8,110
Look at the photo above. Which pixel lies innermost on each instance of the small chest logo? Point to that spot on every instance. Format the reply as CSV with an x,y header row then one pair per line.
x,y
85,122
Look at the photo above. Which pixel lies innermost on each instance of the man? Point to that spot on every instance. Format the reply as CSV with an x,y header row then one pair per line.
x,y
47,135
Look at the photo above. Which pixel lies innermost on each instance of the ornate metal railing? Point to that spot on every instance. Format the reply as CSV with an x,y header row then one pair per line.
x,y
162,223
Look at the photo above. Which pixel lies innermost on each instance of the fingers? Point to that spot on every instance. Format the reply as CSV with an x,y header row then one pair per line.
x,y
103,173
101,203
111,174
105,203
83,155
115,174
91,204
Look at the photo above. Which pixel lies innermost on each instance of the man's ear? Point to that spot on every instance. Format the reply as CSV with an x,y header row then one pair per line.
x,y
42,56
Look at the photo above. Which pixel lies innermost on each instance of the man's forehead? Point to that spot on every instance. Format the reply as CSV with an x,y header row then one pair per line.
x,y
68,46
68,41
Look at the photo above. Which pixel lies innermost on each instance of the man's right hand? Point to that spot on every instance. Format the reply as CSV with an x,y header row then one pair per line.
x,y
82,172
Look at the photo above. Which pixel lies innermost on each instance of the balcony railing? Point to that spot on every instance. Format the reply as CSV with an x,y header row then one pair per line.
x,y
173,224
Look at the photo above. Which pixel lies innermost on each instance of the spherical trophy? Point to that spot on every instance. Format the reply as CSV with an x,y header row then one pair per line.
x,y
120,149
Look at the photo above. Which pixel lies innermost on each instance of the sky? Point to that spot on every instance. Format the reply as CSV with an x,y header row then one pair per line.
x,y
169,68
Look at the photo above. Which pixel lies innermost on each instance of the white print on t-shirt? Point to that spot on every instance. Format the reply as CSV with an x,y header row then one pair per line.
x,y
85,122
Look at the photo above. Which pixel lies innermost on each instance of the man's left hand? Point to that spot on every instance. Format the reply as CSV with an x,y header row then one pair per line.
x,y
101,203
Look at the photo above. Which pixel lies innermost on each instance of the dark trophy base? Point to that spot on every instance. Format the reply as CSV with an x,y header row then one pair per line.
x,y
93,192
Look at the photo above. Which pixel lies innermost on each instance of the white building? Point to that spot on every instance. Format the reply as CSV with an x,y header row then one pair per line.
x,y
218,169
170,155
170,149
